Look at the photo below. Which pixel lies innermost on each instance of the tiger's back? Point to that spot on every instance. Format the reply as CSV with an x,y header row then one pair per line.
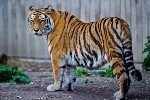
x,y
72,42
90,42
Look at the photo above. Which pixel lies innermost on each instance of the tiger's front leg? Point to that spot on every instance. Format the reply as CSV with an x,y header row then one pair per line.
x,y
58,77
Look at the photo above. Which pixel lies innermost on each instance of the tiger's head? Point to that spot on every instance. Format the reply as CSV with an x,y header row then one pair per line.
x,y
40,21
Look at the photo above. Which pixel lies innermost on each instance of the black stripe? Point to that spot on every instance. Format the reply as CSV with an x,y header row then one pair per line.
x,y
115,54
81,48
129,64
90,59
51,50
95,54
119,74
52,10
70,53
93,38
86,45
76,59
71,18
101,35
126,85
117,23
116,64
74,29
112,38
76,53
97,32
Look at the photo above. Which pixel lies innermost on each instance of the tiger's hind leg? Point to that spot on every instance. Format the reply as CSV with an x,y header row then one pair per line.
x,y
70,78
122,77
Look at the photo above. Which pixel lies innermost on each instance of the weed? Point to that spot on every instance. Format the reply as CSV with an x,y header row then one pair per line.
x,y
80,71
107,72
12,75
146,62
83,71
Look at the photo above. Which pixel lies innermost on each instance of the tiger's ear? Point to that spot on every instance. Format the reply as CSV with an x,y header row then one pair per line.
x,y
49,8
31,8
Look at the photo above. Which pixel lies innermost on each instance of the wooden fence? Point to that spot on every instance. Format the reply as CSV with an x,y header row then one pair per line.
x,y
17,41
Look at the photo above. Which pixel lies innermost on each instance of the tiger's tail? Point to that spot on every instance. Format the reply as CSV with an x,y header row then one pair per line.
x,y
131,67
128,58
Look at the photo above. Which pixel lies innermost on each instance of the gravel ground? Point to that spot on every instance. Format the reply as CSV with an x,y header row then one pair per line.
x,y
98,88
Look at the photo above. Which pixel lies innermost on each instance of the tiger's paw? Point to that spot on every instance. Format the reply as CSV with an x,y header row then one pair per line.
x,y
52,87
118,96
69,87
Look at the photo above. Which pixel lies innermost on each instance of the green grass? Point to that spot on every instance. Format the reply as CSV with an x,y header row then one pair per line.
x,y
80,71
12,75
105,73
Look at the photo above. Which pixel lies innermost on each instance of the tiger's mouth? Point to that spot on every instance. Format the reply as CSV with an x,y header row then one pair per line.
x,y
36,34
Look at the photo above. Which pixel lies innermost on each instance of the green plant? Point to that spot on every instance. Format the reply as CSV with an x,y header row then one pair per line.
x,y
143,81
146,62
107,72
12,75
80,71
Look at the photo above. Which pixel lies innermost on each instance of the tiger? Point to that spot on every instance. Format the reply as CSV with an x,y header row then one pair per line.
x,y
72,42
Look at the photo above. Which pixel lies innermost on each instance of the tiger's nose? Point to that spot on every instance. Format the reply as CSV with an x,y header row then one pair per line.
x,y
36,31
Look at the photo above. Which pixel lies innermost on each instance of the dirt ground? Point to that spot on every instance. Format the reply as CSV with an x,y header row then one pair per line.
x,y
98,88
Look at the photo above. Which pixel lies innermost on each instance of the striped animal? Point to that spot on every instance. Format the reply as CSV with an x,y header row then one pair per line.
x,y
72,42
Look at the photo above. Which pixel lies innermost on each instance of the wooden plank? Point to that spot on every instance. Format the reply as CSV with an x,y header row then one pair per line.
x,y
58,5
5,26
112,8
139,43
23,30
84,12
63,6
14,35
19,27
134,29
14,20
97,10
144,23
123,10
94,10
75,8
117,4
27,31
10,28
1,28
107,8
128,12
148,14
102,12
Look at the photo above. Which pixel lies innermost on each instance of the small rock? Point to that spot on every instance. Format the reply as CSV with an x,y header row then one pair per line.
x,y
69,97
19,97
36,98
